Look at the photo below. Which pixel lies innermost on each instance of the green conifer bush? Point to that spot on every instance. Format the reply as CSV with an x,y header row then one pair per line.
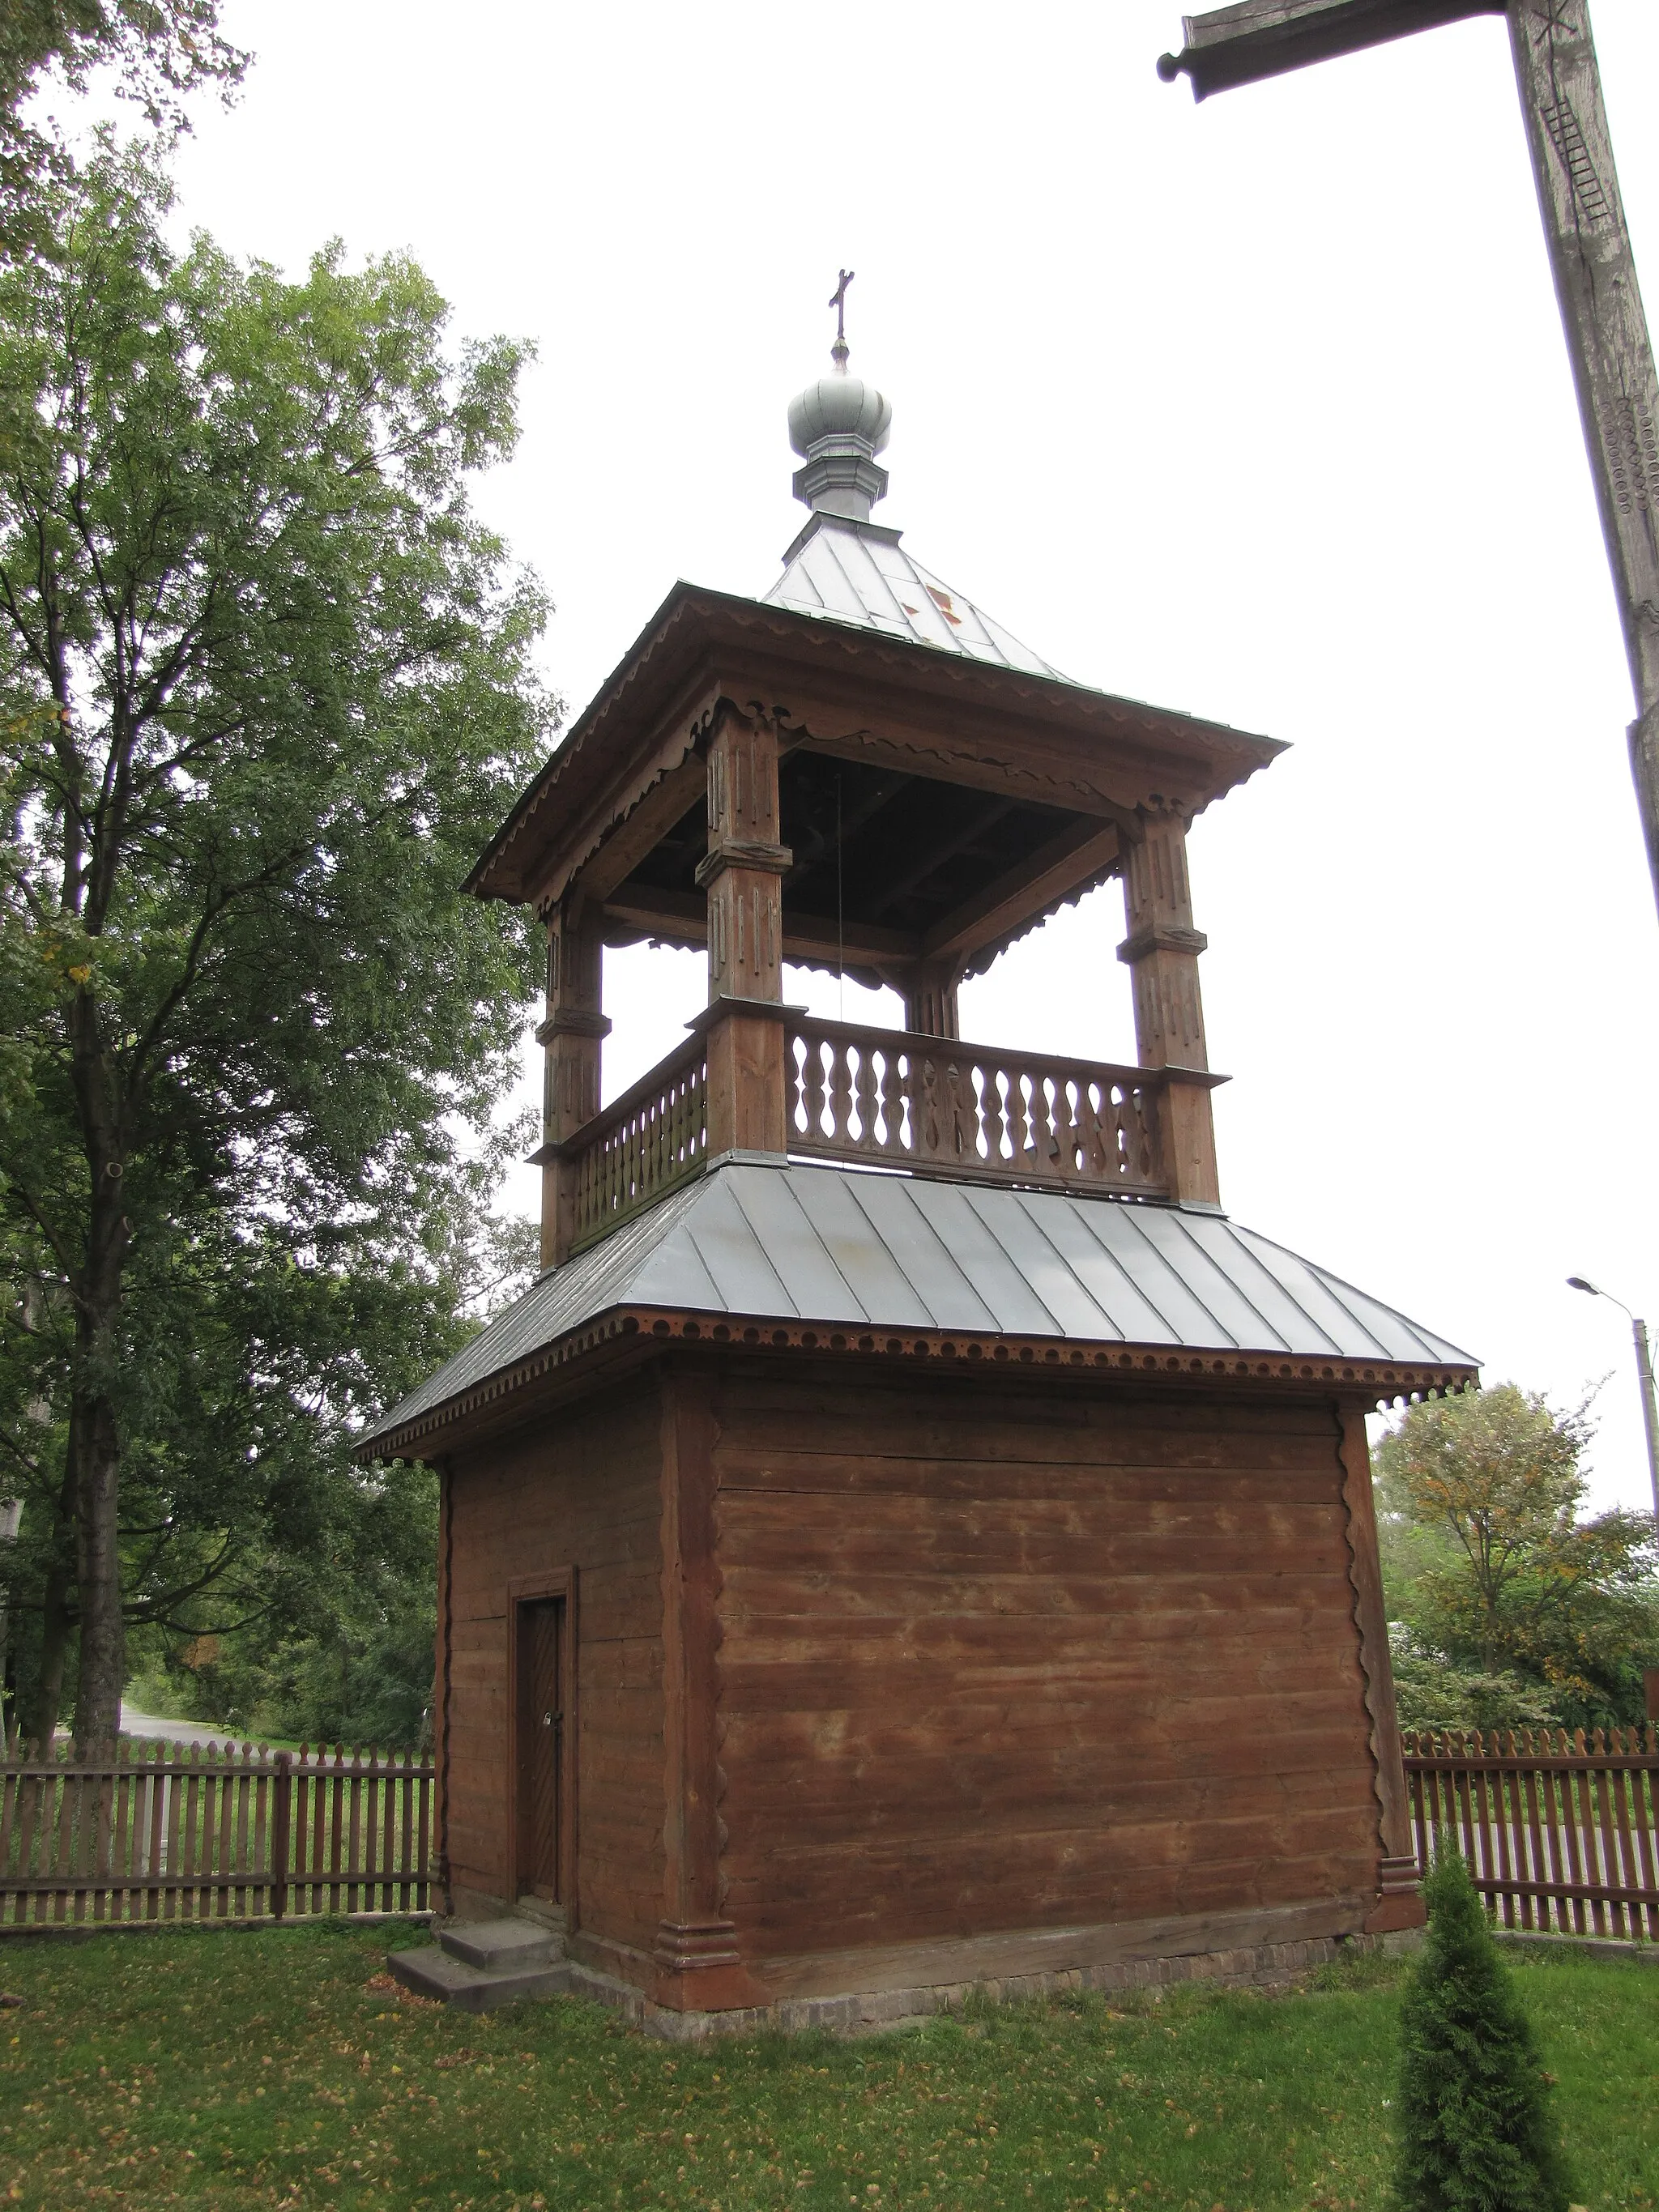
x,y
1476,2130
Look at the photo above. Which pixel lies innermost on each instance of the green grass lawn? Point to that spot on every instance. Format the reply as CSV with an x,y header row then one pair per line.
x,y
275,2068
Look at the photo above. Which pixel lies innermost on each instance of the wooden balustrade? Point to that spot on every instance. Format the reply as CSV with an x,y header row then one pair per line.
x,y
970,1112
930,1104
655,1137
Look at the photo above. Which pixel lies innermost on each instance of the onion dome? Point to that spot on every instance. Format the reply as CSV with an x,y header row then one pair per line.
x,y
838,425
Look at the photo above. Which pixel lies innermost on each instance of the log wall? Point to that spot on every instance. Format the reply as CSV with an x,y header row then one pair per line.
x,y
995,1658
581,1488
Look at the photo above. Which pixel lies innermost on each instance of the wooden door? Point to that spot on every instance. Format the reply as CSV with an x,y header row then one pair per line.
x,y
542,1695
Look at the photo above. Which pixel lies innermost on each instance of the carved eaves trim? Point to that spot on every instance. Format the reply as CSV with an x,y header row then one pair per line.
x,y
629,1331
835,687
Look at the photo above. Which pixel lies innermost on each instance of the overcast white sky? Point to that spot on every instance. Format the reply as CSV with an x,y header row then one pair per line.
x,y
1259,409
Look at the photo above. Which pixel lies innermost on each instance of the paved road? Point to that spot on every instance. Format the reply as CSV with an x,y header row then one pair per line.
x,y
152,1729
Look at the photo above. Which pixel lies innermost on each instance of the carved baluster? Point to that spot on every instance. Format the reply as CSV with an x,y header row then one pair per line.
x,y
993,1120
865,1095
1117,1126
813,1088
1065,1140
841,1091
1019,1114
1040,1146
1089,1152
896,1138
924,1106
797,1051
961,1108
1147,1165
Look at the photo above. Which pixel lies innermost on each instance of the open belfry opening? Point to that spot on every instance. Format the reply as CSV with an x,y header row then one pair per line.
x,y
908,1536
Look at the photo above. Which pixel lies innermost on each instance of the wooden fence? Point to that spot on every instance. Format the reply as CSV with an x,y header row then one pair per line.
x,y
171,1832
1560,1832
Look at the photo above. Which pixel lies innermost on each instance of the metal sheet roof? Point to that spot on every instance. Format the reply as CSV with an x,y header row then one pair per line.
x,y
859,572
843,1246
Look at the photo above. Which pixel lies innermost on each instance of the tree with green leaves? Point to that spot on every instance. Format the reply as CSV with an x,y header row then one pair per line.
x,y
266,686
1501,1574
1475,2127
159,51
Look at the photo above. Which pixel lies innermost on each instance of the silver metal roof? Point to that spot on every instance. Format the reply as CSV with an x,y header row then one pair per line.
x,y
859,572
893,1252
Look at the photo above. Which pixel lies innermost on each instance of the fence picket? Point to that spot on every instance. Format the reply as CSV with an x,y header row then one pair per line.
x,y
388,1849
62,1832
318,1816
1606,1836
1642,1786
354,1847
337,1797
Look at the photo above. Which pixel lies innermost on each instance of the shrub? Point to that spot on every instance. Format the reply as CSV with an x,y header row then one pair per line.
x,y
1476,2130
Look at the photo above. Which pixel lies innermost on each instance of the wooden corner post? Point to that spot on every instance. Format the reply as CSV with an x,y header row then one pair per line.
x,y
698,1966
570,1039
742,873
1398,1894
1161,953
930,998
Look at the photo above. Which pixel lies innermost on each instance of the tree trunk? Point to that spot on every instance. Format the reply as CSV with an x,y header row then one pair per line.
x,y
98,1569
38,1723
94,1454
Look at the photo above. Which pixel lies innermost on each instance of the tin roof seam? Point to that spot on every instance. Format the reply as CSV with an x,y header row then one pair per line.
x,y
1185,1228
1084,1290
1001,1242
1353,1314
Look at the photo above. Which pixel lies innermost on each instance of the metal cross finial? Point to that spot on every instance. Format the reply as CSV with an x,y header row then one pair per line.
x,y
838,302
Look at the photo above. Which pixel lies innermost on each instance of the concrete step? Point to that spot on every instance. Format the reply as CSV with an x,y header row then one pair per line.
x,y
496,1947
431,1973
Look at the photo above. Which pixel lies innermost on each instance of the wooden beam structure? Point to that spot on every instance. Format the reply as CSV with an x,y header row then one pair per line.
x,y
1590,255
1258,38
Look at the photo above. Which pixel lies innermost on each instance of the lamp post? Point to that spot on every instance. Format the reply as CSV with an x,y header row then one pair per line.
x,y
1644,1376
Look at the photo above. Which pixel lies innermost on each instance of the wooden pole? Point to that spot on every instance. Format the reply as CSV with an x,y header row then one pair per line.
x,y
1595,281
1590,254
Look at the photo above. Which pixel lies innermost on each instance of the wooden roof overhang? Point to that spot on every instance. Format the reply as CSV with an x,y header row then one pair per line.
x,y
616,1343
936,806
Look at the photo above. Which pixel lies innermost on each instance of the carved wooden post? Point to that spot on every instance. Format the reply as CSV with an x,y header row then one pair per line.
x,y
698,1966
1399,1898
742,873
1161,952
930,998
570,1039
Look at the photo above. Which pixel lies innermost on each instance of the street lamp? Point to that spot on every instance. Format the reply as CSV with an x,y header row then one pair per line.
x,y
1644,1376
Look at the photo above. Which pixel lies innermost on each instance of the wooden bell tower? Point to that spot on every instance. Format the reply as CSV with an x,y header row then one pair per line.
x,y
936,1489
